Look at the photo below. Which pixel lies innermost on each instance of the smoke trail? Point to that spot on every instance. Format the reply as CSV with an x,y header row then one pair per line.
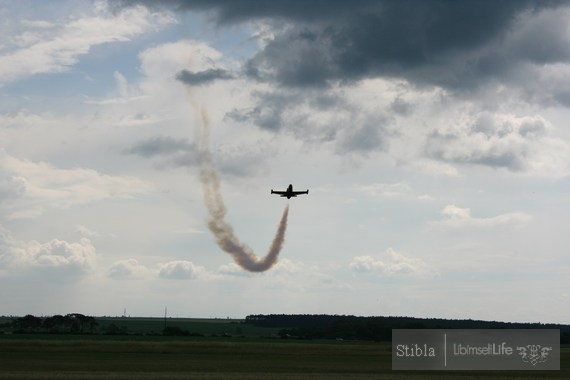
x,y
222,230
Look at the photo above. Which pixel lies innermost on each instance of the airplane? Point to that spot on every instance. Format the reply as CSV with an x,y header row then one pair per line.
x,y
289,192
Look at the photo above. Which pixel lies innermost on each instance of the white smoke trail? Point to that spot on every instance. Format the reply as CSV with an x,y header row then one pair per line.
x,y
222,230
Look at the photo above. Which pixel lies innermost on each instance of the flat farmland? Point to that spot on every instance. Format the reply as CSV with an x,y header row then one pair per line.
x,y
158,357
206,327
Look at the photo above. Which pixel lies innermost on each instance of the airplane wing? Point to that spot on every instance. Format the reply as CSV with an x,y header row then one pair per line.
x,y
288,193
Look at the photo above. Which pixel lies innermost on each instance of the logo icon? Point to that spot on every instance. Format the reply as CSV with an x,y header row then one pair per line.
x,y
534,353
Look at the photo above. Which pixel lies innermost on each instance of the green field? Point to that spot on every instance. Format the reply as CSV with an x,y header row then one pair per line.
x,y
217,348
52,357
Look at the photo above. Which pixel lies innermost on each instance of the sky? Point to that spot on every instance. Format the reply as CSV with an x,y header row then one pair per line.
x,y
432,135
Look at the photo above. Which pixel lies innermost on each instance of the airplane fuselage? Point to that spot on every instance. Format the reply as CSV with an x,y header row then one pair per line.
x,y
289,193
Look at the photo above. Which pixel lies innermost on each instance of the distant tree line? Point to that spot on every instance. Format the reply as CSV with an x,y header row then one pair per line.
x,y
323,326
292,326
70,323
76,323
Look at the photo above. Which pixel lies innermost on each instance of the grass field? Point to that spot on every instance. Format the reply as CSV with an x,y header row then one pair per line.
x,y
154,358
224,349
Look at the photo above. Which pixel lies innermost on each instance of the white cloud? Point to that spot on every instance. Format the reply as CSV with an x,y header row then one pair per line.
x,y
127,269
55,256
181,270
232,269
457,217
283,268
289,267
39,185
53,47
367,264
158,97
164,61
59,253
395,263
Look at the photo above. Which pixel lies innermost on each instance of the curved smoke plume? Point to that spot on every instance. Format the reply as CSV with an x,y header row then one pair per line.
x,y
222,230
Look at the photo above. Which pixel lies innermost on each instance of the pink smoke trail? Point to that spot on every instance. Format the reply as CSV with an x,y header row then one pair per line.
x,y
223,232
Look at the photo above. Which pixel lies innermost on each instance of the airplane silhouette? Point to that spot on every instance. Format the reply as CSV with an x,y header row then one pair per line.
x,y
289,193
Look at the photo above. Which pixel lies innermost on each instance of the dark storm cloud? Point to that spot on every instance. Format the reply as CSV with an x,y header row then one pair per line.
x,y
453,44
234,11
448,43
202,77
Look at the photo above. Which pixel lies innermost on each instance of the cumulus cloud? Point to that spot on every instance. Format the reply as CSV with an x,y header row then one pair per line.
x,y
57,257
161,63
394,264
232,269
59,253
457,217
127,269
181,270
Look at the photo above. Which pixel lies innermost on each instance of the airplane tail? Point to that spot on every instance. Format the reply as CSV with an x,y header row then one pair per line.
x,y
271,191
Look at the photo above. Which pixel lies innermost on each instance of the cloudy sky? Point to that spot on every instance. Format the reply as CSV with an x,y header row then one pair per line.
x,y
433,136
